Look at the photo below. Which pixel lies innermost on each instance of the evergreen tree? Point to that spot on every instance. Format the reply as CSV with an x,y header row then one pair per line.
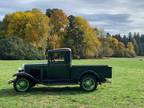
x,y
125,40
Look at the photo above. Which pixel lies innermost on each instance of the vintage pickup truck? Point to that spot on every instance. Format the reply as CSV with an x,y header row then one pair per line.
x,y
59,70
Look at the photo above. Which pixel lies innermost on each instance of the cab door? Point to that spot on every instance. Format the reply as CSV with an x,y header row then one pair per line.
x,y
58,66
58,71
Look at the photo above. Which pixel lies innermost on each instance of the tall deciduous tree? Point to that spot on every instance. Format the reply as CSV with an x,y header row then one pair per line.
x,y
113,42
58,22
81,38
1,30
120,50
130,49
31,26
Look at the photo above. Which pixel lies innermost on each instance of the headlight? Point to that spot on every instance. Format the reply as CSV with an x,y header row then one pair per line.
x,y
21,68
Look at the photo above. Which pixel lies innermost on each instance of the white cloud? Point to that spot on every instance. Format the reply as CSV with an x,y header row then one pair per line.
x,y
112,15
26,1
1,16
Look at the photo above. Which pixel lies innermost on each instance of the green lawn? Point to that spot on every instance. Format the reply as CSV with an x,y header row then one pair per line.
x,y
125,91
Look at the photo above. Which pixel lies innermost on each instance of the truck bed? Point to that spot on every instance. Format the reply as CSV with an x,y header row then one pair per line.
x,y
103,71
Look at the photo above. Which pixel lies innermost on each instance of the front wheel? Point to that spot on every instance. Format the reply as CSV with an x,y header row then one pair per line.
x,y
22,84
88,83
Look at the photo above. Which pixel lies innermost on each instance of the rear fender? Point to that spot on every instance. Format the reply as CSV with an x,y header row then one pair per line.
x,y
23,74
90,72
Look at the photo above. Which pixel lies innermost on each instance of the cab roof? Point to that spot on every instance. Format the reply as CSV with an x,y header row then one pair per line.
x,y
59,50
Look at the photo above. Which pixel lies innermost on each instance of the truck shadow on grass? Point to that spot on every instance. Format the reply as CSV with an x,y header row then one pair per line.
x,y
55,91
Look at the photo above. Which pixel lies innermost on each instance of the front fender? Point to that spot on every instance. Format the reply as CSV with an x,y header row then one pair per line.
x,y
24,74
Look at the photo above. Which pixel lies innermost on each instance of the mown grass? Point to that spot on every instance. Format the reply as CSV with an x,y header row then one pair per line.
x,y
125,91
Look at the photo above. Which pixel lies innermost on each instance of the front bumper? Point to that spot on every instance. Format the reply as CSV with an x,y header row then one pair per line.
x,y
11,81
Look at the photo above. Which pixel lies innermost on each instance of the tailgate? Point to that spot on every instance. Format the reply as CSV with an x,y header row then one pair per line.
x,y
109,72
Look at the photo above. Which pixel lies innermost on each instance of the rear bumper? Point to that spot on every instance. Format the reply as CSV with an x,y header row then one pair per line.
x,y
108,81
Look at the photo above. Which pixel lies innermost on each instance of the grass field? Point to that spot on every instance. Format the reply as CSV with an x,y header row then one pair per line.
x,y
125,91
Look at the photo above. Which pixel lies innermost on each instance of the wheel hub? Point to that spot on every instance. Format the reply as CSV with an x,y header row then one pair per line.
x,y
88,84
22,84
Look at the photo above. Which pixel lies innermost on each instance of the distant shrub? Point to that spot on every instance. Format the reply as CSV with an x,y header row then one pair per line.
x,y
106,52
14,48
129,53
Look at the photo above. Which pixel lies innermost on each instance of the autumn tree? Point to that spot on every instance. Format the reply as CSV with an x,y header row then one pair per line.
x,y
130,50
120,50
58,22
122,47
105,49
81,38
54,29
130,46
1,30
31,26
113,42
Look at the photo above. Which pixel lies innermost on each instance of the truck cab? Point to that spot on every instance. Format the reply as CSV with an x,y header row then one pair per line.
x,y
59,64
59,70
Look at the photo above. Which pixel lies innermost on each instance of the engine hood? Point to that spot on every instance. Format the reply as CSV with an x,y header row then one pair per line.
x,y
35,64
26,67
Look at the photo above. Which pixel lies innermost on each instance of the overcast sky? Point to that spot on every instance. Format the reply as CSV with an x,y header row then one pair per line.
x,y
114,16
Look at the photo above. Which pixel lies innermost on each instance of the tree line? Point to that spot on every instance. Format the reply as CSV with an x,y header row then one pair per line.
x,y
137,40
29,34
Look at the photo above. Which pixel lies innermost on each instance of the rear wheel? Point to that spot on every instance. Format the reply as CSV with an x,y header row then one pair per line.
x,y
88,83
22,84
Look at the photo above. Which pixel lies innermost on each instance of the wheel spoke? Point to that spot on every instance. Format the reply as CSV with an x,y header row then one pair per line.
x,y
88,84
22,84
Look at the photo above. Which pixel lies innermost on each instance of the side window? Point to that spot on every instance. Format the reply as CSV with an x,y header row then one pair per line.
x,y
56,58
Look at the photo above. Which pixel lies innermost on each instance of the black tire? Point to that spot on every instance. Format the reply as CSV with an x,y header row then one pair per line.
x,y
88,83
22,84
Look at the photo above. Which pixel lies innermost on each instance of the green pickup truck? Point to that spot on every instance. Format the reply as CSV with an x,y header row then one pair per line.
x,y
59,70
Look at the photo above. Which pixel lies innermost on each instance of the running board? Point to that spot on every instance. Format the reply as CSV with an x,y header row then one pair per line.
x,y
59,82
